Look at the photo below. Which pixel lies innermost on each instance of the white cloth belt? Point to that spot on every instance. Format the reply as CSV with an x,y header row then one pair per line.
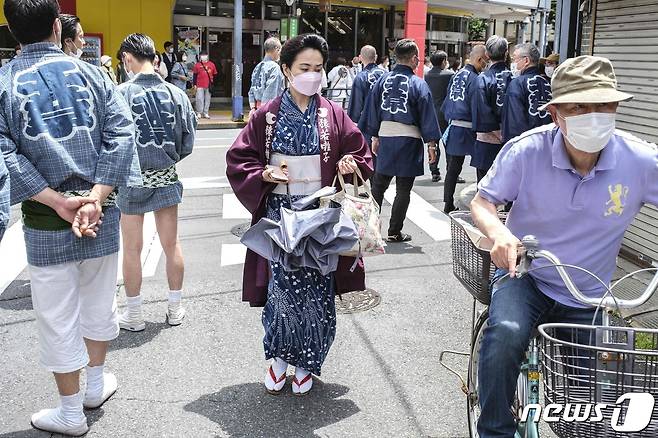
x,y
397,129
304,176
462,124
493,137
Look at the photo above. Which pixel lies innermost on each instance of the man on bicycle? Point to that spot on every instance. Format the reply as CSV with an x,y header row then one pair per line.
x,y
576,184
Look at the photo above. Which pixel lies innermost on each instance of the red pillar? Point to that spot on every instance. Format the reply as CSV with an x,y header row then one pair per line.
x,y
415,27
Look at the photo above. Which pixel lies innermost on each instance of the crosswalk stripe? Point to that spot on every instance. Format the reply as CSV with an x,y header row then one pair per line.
x,y
427,217
13,257
233,254
204,182
232,208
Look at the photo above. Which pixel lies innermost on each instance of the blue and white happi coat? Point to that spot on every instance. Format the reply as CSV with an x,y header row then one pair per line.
x,y
403,98
299,316
361,86
4,198
524,96
165,127
63,125
486,112
266,82
458,108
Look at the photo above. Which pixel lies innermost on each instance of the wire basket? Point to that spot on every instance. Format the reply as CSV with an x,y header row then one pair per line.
x,y
471,260
588,370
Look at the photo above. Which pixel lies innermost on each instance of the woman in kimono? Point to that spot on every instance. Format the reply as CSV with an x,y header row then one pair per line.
x,y
315,139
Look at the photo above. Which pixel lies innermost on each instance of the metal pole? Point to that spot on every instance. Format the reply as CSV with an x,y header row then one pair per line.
x,y
238,114
542,33
532,26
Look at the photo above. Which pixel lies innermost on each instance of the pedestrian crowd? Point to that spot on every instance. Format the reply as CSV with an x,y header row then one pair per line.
x,y
88,151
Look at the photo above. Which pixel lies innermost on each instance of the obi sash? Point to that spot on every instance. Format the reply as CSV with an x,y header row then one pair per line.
x,y
158,178
304,175
397,129
40,217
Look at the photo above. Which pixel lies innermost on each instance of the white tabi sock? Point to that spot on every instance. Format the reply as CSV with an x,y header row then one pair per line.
x,y
94,381
279,366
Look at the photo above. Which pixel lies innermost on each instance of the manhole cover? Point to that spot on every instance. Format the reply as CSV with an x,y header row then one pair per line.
x,y
239,230
357,301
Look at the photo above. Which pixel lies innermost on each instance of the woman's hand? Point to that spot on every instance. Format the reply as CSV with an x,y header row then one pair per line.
x,y
270,178
347,165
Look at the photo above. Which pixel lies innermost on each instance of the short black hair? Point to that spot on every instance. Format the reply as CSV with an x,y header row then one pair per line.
x,y
31,21
168,44
140,46
438,58
69,26
405,49
293,46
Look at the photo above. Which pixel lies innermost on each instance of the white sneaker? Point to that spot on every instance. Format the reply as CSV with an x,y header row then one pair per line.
x,y
175,314
132,322
51,420
95,401
206,116
198,115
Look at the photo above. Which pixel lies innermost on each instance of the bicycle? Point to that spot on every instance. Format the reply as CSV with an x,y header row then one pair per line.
x,y
585,373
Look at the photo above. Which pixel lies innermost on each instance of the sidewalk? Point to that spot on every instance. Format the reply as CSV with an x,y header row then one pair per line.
x,y
221,119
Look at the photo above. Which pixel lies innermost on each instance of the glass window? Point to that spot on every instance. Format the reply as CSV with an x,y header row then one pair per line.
x,y
446,24
252,9
190,7
340,33
222,8
273,11
370,28
312,20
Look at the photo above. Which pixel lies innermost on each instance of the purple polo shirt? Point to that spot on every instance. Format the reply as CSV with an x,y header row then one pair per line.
x,y
580,219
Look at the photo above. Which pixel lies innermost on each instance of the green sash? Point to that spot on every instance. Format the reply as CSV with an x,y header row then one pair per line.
x,y
39,216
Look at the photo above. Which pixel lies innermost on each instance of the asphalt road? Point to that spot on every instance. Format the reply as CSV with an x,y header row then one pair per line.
x,y
204,378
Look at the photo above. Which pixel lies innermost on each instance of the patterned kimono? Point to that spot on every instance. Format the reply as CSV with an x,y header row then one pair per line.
x,y
165,128
300,315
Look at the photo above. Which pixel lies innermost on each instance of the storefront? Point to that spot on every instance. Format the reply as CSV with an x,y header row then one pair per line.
x,y
626,32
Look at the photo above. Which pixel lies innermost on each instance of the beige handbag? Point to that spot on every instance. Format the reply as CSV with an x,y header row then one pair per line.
x,y
364,212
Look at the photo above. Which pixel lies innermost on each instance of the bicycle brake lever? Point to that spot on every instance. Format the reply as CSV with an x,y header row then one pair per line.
x,y
531,246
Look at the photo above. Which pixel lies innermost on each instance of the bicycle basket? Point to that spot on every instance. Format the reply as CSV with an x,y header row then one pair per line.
x,y
588,368
471,261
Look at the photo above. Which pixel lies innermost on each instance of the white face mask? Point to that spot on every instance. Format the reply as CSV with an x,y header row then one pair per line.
x,y
515,70
549,71
170,51
590,132
78,51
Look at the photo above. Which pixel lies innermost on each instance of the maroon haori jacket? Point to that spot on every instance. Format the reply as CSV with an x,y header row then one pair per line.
x,y
246,160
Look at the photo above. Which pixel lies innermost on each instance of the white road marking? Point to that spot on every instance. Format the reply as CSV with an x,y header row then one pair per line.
x,y
233,254
232,208
205,182
427,217
13,257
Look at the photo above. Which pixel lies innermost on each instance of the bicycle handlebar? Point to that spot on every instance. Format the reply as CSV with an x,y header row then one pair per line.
x,y
531,245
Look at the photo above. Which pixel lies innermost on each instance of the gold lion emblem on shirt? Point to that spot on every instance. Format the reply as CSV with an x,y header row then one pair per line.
x,y
618,194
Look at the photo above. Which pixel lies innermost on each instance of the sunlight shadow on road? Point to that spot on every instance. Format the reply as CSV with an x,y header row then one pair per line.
x,y
246,410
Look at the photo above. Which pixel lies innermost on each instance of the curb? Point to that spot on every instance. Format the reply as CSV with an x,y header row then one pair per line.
x,y
221,125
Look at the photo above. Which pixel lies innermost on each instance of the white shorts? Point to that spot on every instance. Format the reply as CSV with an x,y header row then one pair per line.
x,y
74,301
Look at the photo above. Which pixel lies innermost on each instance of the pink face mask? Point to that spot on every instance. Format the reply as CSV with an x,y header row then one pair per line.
x,y
307,83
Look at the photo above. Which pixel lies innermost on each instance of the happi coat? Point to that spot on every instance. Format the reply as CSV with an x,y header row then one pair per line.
x,y
525,95
363,83
63,125
246,160
402,98
4,197
165,128
487,107
458,110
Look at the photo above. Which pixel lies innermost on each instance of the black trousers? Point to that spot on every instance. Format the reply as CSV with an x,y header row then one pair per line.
x,y
403,186
434,167
481,173
455,164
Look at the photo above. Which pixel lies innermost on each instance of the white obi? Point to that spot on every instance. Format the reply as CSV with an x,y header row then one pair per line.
x,y
304,177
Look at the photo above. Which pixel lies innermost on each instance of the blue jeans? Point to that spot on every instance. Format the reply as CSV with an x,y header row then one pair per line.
x,y
517,307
